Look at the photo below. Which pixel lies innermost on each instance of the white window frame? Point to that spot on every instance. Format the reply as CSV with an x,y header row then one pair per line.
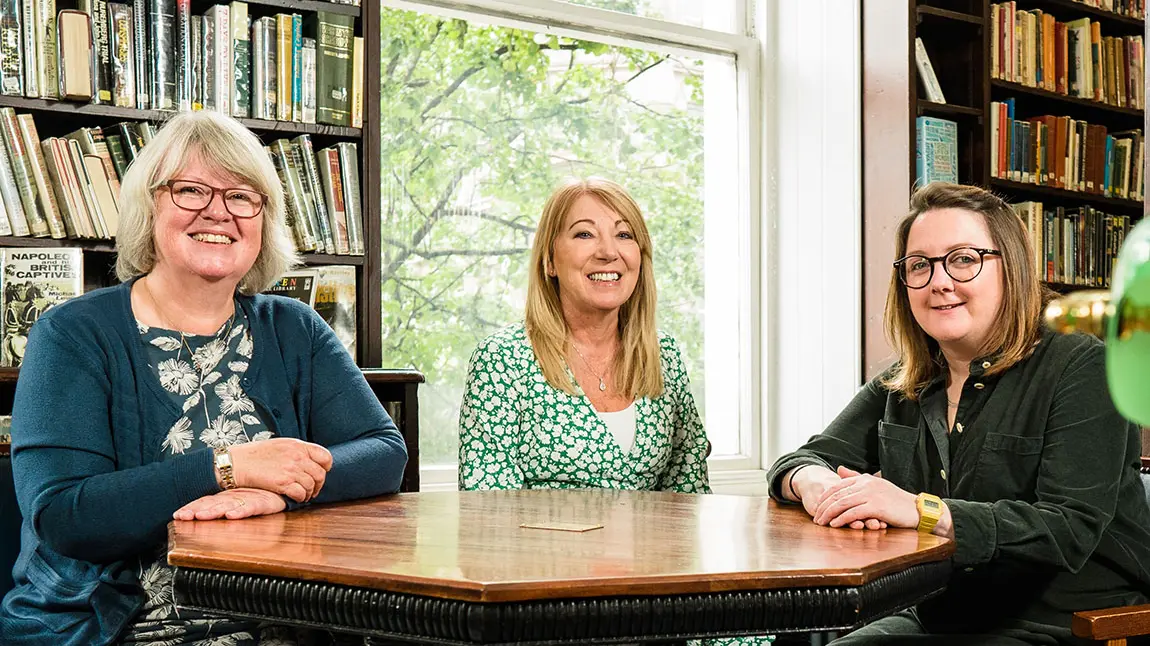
x,y
802,51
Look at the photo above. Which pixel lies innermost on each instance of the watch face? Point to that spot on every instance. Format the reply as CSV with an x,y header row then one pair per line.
x,y
931,504
223,460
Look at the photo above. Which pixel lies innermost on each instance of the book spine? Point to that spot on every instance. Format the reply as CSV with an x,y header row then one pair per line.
x,y
209,57
298,175
182,56
143,72
44,192
11,51
334,34
316,190
357,82
262,108
46,49
100,22
241,60
197,55
284,67
84,184
308,73
222,32
31,61
297,67
349,169
57,178
329,175
122,52
22,172
162,28
296,218
10,193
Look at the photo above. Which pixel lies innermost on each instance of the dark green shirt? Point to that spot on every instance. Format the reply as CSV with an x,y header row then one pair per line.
x,y
1041,475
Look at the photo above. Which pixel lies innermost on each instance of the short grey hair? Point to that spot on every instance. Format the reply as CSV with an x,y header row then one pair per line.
x,y
226,146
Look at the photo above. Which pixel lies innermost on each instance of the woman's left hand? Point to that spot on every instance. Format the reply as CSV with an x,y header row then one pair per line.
x,y
232,504
859,496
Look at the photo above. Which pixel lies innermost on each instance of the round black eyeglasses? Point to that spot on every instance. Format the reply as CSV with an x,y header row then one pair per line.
x,y
962,265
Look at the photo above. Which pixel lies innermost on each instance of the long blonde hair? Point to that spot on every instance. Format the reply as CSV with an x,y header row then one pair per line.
x,y
1018,325
226,146
638,371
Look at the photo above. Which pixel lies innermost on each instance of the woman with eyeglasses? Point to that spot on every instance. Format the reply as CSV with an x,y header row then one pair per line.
x,y
180,393
988,430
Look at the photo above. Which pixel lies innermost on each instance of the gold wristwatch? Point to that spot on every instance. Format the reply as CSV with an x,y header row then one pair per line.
x,y
223,461
929,511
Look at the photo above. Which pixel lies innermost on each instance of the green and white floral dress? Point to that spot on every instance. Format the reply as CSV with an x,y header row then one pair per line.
x,y
516,431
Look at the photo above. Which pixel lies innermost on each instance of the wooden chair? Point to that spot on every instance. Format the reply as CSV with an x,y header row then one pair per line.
x,y
1113,626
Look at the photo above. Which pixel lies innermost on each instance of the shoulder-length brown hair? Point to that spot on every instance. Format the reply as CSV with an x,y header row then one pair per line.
x,y
1018,326
638,371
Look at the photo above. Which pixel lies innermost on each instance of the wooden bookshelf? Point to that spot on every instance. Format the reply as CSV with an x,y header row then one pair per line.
x,y
957,36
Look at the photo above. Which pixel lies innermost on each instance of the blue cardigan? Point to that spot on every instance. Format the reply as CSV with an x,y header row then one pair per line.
x,y
90,418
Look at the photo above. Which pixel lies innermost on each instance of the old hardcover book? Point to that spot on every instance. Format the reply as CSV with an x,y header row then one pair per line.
x,y
76,52
46,50
11,50
102,194
122,47
264,84
335,301
116,150
143,44
162,53
28,40
284,72
22,172
308,73
197,44
314,186
208,55
241,59
333,37
221,59
45,194
307,198
296,216
10,194
83,182
297,67
35,280
349,170
182,58
357,82
97,10
92,142
299,285
327,164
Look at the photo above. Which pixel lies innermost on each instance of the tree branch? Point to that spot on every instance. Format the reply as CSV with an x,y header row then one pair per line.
x,y
470,252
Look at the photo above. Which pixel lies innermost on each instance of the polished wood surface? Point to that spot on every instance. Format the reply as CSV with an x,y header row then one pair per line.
x,y
1112,623
469,546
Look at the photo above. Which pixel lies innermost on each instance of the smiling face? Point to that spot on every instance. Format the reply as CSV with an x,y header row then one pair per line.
x,y
210,244
957,315
595,258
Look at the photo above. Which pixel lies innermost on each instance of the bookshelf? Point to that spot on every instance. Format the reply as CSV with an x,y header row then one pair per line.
x,y
957,35
57,118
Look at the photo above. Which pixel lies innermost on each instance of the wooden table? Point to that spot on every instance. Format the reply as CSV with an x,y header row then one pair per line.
x,y
458,568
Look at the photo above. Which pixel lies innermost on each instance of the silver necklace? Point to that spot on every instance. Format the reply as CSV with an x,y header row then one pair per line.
x,y
602,384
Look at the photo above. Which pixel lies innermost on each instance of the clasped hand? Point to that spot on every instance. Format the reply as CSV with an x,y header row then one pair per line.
x,y
857,499
263,472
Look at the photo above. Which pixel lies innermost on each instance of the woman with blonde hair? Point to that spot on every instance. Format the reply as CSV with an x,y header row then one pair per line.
x,y
585,393
988,430
180,393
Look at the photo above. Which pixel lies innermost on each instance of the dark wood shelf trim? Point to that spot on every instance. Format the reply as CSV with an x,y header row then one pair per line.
x,y
947,14
9,375
1102,15
947,108
1066,288
1064,195
87,244
310,5
1072,100
132,114
321,259
393,376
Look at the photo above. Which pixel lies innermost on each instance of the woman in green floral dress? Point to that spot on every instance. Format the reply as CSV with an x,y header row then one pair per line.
x,y
586,393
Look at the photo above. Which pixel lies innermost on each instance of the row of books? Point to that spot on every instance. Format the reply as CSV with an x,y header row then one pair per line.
x,y
1065,153
154,54
33,280
323,194
1071,58
1131,8
1075,246
69,187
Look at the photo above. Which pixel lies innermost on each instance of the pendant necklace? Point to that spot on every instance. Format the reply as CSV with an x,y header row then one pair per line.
x,y
602,384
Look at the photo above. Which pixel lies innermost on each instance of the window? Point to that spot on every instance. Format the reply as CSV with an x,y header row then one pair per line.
x,y
719,15
483,116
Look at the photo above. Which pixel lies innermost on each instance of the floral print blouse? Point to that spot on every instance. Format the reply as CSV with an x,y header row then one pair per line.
x,y
516,431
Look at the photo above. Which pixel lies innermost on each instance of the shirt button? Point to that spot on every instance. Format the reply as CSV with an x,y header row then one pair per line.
x,y
942,472
985,364
968,569
276,413
958,426
979,386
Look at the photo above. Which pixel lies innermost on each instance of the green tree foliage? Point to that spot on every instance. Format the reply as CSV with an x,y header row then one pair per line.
x,y
479,124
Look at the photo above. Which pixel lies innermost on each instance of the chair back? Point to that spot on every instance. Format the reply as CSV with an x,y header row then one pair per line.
x,y
10,520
